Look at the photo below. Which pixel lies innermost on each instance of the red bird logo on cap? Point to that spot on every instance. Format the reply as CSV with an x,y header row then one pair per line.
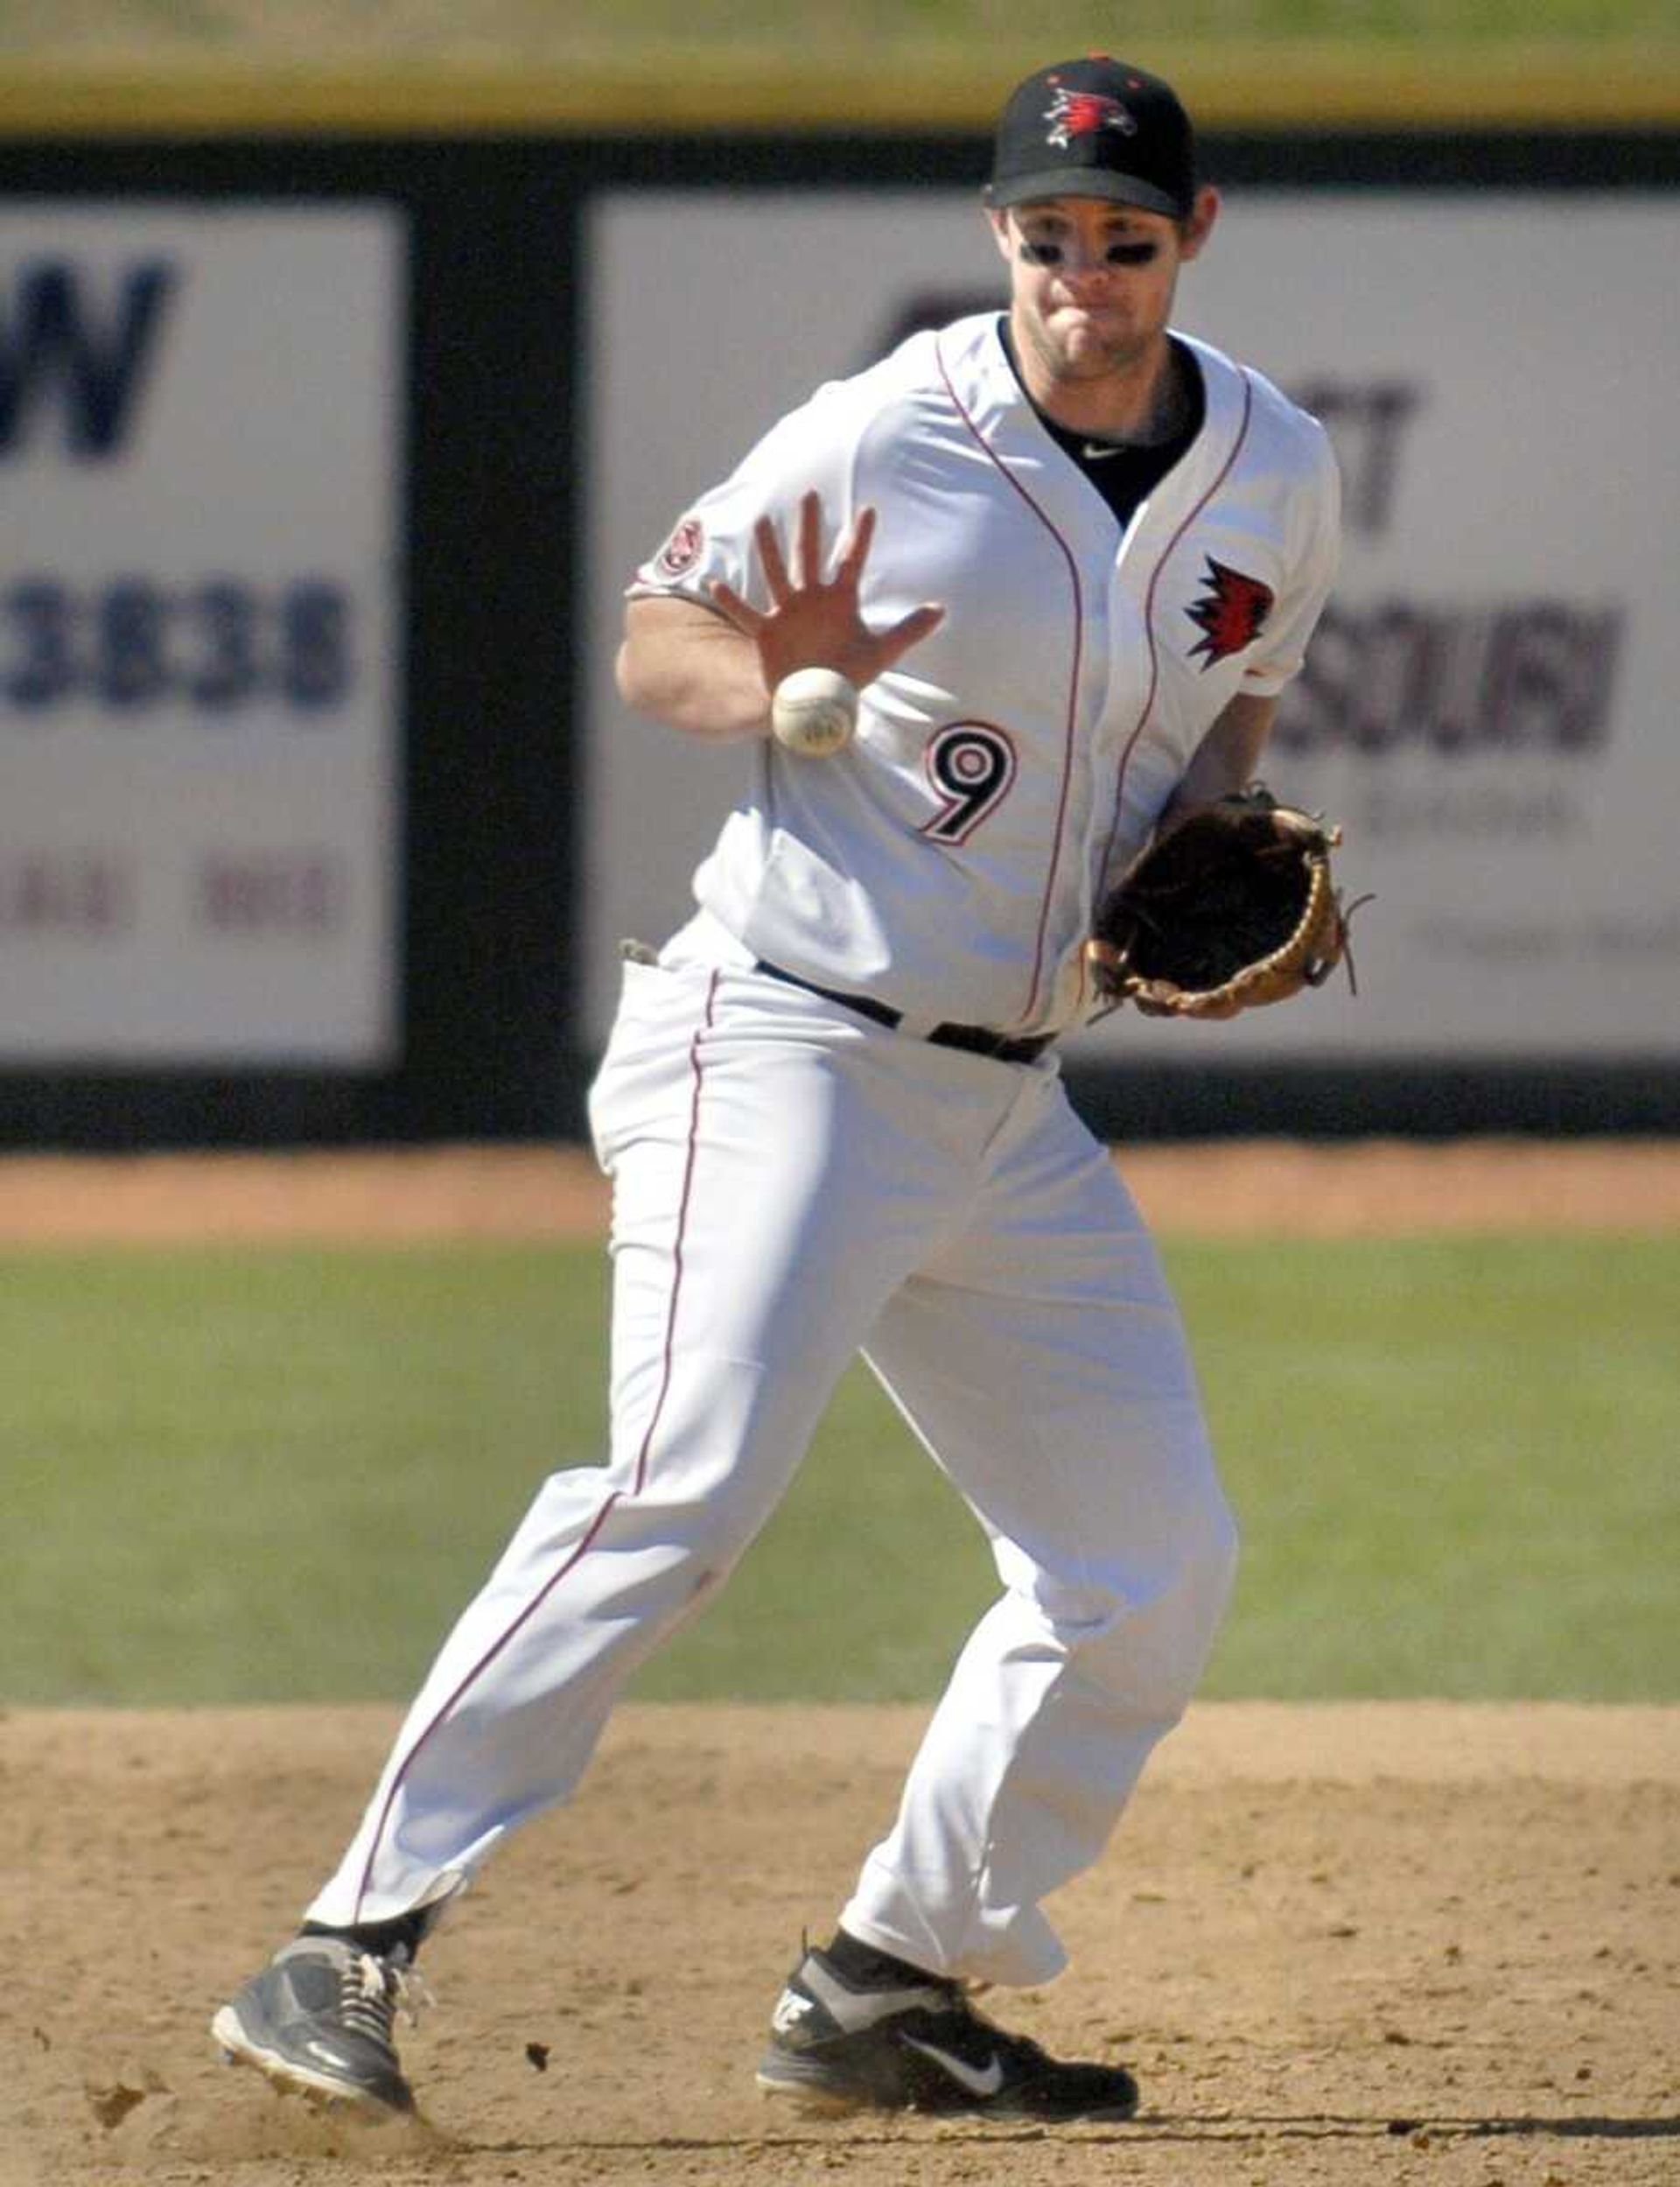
x,y
1072,114
1230,614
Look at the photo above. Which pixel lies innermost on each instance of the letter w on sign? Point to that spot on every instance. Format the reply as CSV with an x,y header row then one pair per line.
x,y
57,345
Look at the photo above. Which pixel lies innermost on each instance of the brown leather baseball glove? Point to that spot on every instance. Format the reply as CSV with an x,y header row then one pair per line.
x,y
1234,908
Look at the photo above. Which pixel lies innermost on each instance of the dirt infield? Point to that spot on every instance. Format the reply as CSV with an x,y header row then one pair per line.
x,y
1385,1186
1343,1946
1390,1944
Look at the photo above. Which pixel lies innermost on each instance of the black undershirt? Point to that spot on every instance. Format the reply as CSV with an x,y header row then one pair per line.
x,y
1129,474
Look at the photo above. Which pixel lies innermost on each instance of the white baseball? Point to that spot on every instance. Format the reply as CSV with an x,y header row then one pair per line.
x,y
813,711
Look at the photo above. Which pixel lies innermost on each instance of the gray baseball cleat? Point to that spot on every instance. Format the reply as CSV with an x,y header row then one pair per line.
x,y
319,2020
922,2047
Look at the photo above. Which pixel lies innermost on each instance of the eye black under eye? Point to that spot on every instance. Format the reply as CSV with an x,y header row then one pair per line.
x,y
1046,254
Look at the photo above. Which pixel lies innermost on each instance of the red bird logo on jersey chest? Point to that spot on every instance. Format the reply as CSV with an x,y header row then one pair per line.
x,y
1230,614
1072,114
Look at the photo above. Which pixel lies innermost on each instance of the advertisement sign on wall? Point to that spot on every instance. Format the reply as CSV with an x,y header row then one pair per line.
x,y
200,501
1487,707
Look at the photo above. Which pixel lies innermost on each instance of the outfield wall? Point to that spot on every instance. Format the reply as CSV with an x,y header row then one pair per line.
x,y
324,458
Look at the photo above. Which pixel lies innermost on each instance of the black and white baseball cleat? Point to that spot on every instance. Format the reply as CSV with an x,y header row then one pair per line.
x,y
319,2020
922,2047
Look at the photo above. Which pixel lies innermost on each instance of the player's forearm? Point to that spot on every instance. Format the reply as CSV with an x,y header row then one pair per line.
x,y
686,667
1225,760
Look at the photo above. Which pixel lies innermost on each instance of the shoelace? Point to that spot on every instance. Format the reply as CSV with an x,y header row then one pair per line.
x,y
372,1992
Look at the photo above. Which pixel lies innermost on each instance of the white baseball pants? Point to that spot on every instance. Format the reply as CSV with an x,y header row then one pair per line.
x,y
792,1183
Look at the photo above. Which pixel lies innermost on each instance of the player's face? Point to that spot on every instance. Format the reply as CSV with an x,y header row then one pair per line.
x,y
1091,283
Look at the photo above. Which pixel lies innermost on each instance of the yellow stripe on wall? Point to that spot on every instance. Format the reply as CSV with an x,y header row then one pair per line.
x,y
1273,86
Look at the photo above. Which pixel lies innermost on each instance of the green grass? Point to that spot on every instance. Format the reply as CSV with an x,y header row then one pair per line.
x,y
275,1476
533,29
1453,1463
82,67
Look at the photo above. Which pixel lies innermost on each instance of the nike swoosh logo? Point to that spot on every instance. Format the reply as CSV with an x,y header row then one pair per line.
x,y
977,2082
1093,451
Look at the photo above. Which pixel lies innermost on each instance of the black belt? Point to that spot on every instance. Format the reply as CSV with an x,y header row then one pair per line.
x,y
974,1039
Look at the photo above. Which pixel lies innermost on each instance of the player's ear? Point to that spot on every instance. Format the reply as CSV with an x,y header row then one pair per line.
x,y
1198,225
999,223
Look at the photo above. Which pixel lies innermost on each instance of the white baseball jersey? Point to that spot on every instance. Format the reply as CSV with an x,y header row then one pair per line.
x,y
948,861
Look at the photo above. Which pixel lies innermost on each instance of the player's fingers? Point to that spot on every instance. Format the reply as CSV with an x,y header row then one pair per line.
x,y
809,564
770,558
734,609
891,645
855,553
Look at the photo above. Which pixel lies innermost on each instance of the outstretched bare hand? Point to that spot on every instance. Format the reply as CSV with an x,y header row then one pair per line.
x,y
814,622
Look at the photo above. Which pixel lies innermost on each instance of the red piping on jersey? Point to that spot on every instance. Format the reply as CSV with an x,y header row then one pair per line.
x,y
1027,1015
618,1496
1149,606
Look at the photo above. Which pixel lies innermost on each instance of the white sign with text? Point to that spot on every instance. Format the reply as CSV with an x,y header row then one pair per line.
x,y
1488,705
200,419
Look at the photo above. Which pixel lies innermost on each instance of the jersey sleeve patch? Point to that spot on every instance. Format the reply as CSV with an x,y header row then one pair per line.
x,y
682,550
1230,614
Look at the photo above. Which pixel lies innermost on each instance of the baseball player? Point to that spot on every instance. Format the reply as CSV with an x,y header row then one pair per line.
x,y
1068,557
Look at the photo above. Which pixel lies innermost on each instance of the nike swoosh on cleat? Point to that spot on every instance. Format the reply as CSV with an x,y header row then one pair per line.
x,y
976,2080
325,2051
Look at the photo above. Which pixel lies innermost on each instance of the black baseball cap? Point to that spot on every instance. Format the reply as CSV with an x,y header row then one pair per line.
x,y
1095,128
